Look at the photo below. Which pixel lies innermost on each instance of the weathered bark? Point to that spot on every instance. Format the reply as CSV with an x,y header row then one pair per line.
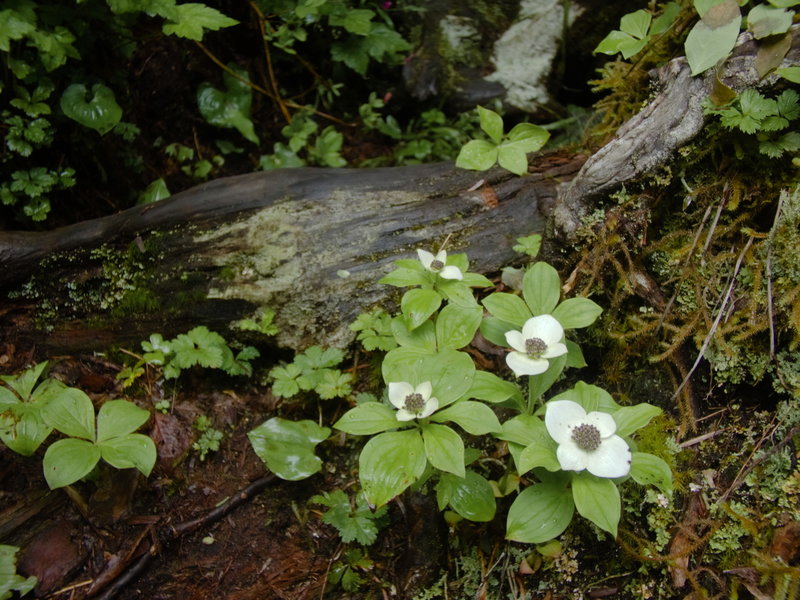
x,y
281,239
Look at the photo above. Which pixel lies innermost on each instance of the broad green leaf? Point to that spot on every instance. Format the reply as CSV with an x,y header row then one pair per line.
x,y
355,20
449,371
509,308
119,417
494,329
473,417
418,305
10,581
14,25
539,384
540,513
597,499
575,357
489,387
367,419
590,397
229,108
541,288
574,313
636,23
764,21
26,433
389,463
622,43
192,19
541,452
157,190
647,469
631,418
24,383
470,496
784,3
491,123
456,325
98,110
67,461
523,430
477,155
287,447
72,414
665,20
423,337
528,136
713,38
458,292
130,451
444,448
511,156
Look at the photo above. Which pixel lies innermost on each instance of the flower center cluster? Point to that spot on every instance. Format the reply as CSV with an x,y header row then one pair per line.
x,y
586,437
535,347
437,265
414,403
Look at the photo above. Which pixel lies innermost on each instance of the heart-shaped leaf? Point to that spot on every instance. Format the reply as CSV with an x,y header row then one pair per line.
x,y
97,110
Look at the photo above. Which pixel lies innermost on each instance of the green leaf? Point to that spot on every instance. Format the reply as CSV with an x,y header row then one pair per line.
x,y
713,38
541,452
367,419
540,513
25,433
647,469
9,579
191,20
14,25
130,451
494,329
119,417
333,384
405,277
449,371
489,387
418,305
523,430
423,337
357,524
456,325
72,414
327,147
528,245
764,21
539,384
477,155
67,461
24,383
598,500
574,313
491,123
470,496
620,42
473,417
389,463
528,137
636,23
285,380
98,111
790,74
541,288
665,20
355,20
287,447
590,397
444,448
631,418
229,108
509,308
157,190
511,156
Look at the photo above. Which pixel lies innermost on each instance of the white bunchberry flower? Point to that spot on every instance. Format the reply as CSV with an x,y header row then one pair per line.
x,y
539,340
438,264
587,441
412,403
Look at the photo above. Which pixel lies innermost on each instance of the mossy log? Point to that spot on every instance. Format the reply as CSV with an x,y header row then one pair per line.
x,y
311,244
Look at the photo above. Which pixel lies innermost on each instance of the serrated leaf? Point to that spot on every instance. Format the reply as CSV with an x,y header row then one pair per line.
x,y
191,20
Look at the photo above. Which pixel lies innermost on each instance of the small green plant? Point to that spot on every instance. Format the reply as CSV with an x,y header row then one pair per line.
x,y
196,169
321,148
12,584
22,400
312,370
355,522
636,29
509,150
261,323
348,571
374,330
209,437
229,108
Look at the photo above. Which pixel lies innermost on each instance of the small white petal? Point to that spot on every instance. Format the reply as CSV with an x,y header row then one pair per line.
x,y
441,256
611,459
516,340
404,415
521,364
425,389
398,391
430,407
451,272
560,417
554,350
425,257
604,422
544,327
572,458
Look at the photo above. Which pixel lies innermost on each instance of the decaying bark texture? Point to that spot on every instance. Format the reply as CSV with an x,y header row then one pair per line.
x,y
672,119
311,244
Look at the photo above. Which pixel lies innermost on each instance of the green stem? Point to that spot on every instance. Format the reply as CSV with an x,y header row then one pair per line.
x,y
531,398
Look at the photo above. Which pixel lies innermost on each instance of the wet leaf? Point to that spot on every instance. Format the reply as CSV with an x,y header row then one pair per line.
x,y
98,110
287,447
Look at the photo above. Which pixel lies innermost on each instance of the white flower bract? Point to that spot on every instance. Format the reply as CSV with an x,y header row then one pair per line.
x,y
410,402
438,264
587,441
539,340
